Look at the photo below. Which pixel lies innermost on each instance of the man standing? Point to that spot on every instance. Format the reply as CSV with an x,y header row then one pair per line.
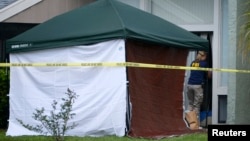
x,y
195,86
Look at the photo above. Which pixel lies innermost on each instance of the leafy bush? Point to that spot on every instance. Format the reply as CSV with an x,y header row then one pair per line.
x,y
4,99
56,124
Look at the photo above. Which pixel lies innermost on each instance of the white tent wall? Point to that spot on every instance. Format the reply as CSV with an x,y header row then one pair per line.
x,y
100,107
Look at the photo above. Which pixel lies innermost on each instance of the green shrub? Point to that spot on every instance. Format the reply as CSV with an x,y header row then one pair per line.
x,y
55,124
4,99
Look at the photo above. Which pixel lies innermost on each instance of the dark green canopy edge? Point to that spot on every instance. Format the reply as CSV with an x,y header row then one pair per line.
x,y
101,21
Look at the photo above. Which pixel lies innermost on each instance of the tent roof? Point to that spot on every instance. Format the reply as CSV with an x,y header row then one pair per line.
x,y
101,21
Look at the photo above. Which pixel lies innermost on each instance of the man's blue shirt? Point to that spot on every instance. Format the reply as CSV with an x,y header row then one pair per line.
x,y
197,76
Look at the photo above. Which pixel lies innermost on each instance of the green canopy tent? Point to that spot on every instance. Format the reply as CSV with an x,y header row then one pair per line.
x,y
157,102
101,21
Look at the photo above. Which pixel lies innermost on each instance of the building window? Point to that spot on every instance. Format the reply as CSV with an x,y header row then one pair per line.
x,y
222,108
134,3
184,12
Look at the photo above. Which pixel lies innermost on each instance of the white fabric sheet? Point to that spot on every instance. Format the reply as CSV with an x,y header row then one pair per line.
x,y
101,106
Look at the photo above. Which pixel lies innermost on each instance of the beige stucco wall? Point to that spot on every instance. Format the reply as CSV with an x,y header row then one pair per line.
x,y
238,110
45,10
232,11
242,101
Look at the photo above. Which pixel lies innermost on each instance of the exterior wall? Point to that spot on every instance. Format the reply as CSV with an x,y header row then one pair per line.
x,y
231,99
15,7
216,46
45,10
242,95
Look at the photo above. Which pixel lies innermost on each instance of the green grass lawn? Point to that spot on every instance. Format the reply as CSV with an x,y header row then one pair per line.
x,y
188,137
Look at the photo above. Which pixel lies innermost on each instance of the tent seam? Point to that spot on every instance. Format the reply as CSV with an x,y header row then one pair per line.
x,y
120,19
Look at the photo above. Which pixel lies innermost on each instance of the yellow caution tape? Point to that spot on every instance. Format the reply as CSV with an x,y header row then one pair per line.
x,y
119,64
